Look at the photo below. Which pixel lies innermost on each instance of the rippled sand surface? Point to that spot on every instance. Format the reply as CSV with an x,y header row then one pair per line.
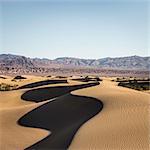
x,y
123,122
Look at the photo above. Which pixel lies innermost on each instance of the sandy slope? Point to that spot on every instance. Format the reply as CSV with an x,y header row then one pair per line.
x,y
61,117
29,79
122,124
12,135
12,107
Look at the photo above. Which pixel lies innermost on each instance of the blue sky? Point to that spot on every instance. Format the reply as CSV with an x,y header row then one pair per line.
x,y
84,29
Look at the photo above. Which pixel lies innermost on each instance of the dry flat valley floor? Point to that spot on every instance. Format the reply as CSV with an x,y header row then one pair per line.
x,y
70,113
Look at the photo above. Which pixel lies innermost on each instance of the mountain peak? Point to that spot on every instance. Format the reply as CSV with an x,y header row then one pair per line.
x,y
128,62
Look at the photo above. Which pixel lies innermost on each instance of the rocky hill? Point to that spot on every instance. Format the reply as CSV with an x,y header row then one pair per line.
x,y
16,64
131,62
8,60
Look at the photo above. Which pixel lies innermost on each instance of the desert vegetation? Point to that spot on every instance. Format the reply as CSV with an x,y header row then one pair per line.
x,y
7,87
49,76
87,79
1,77
60,77
134,83
19,77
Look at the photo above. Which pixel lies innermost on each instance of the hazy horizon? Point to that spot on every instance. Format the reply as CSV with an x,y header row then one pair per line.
x,y
70,57
92,29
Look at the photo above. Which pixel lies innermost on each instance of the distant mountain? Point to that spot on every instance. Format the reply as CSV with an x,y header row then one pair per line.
x,y
74,61
8,60
132,62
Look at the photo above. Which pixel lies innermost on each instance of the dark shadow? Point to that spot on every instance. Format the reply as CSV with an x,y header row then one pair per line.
x,y
19,77
41,83
1,77
60,77
63,117
137,85
46,93
49,76
87,79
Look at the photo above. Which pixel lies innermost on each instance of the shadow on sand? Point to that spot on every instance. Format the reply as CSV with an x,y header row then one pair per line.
x,y
41,83
62,116
87,79
46,93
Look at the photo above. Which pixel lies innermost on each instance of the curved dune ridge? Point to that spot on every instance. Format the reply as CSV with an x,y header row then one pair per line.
x,y
41,83
62,116
46,93
123,123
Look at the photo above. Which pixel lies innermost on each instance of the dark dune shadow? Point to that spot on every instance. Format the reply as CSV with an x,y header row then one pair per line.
x,y
41,83
42,94
60,77
81,80
87,79
63,117
1,77
19,77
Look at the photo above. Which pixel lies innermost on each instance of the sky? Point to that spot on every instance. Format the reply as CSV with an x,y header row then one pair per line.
x,y
74,28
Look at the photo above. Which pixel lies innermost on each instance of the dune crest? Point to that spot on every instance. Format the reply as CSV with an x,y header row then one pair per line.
x,y
122,124
60,116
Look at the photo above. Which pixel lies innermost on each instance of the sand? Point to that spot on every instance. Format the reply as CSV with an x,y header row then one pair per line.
x,y
13,136
62,116
123,123
12,107
46,93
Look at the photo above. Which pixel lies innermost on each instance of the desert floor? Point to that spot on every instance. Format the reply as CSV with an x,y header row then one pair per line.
x,y
122,123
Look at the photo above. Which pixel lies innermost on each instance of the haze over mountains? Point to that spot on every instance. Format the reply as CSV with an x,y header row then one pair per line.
x,y
131,62
123,66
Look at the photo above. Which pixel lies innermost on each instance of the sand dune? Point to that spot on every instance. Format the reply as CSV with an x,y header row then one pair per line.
x,y
42,94
41,83
12,107
13,136
122,124
62,117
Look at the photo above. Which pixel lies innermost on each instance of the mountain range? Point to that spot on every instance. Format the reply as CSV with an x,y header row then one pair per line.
x,y
10,61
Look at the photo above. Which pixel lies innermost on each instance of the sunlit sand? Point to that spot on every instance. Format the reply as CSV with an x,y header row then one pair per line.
x,y
123,123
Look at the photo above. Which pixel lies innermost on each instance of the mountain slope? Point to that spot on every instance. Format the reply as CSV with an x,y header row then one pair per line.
x,y
8,60
131,62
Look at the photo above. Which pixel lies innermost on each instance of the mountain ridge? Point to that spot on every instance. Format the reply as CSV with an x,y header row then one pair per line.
x,y
127,62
